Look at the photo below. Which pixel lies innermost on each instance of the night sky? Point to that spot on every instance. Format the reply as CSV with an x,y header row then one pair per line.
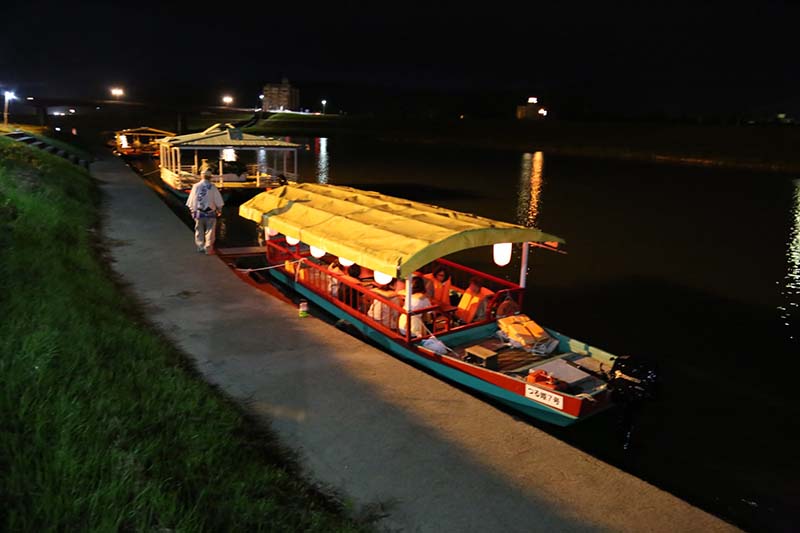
x,y
670,57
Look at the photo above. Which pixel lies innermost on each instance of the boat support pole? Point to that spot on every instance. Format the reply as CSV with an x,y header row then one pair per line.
x,y
523,268
408,294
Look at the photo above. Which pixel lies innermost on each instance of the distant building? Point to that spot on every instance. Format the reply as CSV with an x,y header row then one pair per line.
x,y
531,111
281,96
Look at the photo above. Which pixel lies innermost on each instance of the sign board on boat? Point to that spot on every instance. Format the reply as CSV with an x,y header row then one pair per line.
x,y
546,397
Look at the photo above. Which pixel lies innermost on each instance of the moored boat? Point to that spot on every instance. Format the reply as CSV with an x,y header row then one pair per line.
x,y
464,325
274,163
139,142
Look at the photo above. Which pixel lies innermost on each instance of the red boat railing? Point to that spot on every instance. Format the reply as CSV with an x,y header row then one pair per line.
x,y
375,309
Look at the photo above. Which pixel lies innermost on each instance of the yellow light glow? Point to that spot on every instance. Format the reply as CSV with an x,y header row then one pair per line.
x,y
227,99
228,154
123,141
533,100
117,91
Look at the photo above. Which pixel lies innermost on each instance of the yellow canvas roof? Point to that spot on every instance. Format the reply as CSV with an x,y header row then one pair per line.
x,y
383,233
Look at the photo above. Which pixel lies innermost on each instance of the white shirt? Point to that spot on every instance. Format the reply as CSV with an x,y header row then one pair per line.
x,y
204,197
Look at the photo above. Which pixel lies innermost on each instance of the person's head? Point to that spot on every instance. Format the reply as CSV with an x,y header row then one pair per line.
x,y
417,285
354,271
441,274
475,284
206,174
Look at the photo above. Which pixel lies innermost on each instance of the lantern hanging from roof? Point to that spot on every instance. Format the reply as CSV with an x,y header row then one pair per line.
x,y
502,253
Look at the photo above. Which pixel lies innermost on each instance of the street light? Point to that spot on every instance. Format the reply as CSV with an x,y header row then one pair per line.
x,y
227,100
116,92
323,106
9,96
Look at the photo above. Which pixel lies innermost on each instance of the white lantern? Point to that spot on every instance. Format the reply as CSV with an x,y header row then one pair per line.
x,y
381,278
345,262
272,232
291,241
502,253
317,252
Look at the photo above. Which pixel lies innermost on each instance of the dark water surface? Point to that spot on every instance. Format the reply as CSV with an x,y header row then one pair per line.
x,y
696,269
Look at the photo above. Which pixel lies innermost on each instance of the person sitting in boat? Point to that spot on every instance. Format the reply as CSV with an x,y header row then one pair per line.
x,y
418,301
381,312
437,286
333,283
473,304
349,294
205,202
508,307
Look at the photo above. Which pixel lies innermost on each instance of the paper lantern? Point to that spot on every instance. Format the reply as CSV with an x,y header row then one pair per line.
x,y
345,262
502,253
291,241
381,278
316,252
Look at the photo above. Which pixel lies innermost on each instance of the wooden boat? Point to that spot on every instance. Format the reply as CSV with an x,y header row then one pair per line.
x,y
275,160
136,142
307,226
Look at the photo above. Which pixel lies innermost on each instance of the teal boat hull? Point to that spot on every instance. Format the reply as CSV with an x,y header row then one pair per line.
x,y
516,402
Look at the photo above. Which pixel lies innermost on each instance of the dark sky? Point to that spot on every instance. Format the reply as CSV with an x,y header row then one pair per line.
x,y
660,56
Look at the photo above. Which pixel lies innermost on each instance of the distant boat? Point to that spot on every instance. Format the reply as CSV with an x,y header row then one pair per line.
x,y
474,336
137,142
275,161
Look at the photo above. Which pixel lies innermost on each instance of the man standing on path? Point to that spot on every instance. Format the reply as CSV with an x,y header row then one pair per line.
x,y
205,203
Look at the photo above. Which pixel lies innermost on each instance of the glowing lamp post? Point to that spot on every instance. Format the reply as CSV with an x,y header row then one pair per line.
x,y
117,92
9,96
324,102
227,99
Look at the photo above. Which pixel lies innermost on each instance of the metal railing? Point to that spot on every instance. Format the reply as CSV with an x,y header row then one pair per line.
x,y
381,312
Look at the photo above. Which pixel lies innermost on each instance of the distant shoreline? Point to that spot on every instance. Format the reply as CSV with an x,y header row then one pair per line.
x,y
773,149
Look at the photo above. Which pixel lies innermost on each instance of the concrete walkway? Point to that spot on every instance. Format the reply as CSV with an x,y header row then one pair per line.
x,y
372,427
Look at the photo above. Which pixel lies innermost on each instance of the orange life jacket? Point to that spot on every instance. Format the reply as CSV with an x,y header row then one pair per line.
x,y
470,303
441,291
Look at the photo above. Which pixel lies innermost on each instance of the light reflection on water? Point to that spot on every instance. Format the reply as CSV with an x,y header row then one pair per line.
x,y
791,290
322,159
531,176
530,188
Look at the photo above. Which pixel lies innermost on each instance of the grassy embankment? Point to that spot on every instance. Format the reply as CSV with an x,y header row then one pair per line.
x,y
763,148
103,424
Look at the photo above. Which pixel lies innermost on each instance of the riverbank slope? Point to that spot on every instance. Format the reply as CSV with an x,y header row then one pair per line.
x,y
105,426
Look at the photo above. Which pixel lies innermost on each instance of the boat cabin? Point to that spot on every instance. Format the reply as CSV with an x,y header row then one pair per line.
x,y
241,161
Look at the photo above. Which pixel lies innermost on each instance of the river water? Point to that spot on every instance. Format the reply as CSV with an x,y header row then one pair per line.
x,y
695,269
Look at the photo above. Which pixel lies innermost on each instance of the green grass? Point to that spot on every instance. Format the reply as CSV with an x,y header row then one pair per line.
x,y
103,425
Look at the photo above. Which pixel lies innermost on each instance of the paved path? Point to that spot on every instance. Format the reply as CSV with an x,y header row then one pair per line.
x,y
376,429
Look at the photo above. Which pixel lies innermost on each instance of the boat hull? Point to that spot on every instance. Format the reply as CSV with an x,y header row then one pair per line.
x,y
514,401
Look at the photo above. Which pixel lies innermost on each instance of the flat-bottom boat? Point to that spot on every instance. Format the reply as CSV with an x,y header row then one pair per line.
x,y
470,331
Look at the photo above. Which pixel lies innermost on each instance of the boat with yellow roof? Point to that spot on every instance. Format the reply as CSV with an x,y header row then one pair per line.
x,y
349,251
